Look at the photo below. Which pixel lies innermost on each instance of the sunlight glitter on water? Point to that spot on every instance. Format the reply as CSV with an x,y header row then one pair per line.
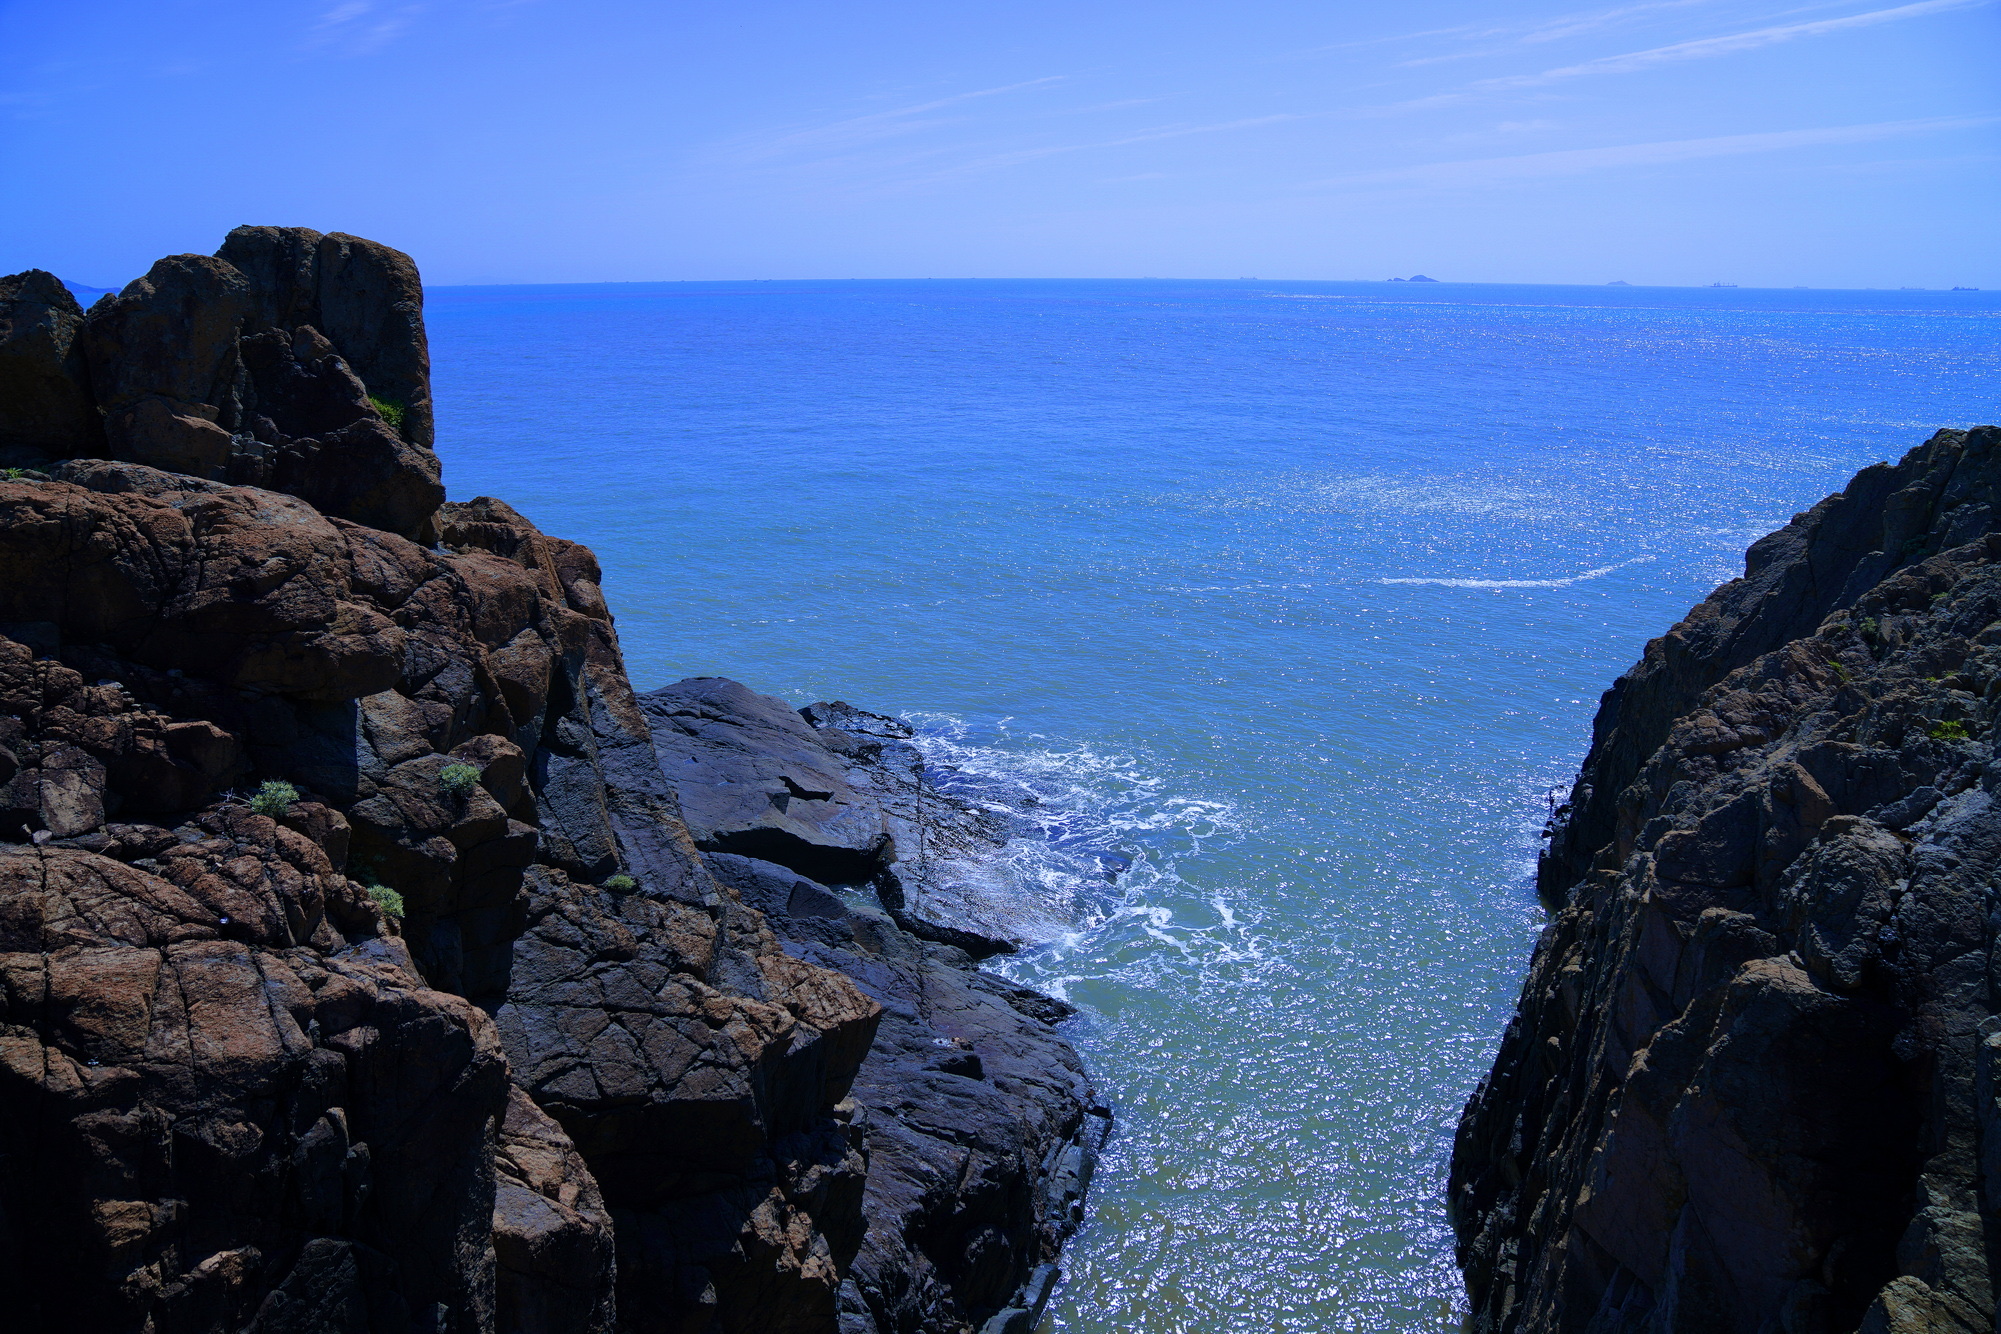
x,y
1265,1128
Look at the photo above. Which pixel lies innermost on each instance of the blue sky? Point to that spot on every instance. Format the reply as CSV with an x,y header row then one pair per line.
x,y
1660,141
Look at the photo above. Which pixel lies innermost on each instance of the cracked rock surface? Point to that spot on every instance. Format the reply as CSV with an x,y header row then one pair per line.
x,y
1750,1085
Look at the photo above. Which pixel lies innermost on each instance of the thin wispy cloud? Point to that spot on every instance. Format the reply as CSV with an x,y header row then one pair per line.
x,y
360,27
1578,24
1576,161
1364,42
1573,25
1154,135
1706,47
853,131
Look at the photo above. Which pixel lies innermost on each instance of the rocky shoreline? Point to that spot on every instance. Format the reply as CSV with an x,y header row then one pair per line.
x,y
1750,1084
374,958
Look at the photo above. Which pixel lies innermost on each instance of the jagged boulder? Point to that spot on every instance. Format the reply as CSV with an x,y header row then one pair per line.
x,y
552,1235
307,374
163,364
44,380
365,297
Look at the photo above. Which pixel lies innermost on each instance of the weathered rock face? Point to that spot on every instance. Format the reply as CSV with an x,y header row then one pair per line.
x,y
573,1082
229,1102
1749,1086
362,296
700,1071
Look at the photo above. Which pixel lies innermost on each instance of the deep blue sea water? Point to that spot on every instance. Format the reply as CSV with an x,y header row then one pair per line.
x,y
1298,595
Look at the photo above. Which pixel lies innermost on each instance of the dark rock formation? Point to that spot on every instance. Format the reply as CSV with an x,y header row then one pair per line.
x,y
43,378
452,1028
754,779
363,296
227,1102
1750,1083
981,1127
841,794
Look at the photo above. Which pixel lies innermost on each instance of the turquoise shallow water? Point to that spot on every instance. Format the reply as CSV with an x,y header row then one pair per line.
x,y
1297,596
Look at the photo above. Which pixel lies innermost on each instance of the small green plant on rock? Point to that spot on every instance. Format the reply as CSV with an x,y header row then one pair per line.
x,y
390,410
274,798
1950,730
621,883
1869,629
13,474
388,900
458,779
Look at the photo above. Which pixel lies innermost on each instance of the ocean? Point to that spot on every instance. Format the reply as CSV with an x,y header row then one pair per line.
x,y
1291,603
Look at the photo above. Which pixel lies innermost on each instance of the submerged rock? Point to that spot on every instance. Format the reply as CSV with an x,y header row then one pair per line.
x,y
1749,1084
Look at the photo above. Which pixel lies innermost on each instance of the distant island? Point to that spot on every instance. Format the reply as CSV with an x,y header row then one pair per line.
x,y
87,294
1618,282
1415,278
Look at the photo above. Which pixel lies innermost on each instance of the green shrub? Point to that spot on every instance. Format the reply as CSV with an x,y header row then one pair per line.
x,y
1951,730
621,883
1869,629
273,798
458,779
13,474
387,899
390,410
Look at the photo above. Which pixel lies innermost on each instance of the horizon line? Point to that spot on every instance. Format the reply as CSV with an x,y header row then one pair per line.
x,y
1161,278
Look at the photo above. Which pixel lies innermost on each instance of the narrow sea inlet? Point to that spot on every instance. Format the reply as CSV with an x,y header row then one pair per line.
x,y
1282,607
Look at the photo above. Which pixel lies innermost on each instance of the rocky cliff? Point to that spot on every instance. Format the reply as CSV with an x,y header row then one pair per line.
x,y
359,970
1751,1085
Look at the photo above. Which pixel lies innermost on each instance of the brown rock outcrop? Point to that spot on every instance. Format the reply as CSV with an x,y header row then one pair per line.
x,y
1749,1087
307,374
450,1027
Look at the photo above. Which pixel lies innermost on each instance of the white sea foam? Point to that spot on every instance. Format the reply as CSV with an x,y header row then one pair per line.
x,y
1565,582
1104,859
